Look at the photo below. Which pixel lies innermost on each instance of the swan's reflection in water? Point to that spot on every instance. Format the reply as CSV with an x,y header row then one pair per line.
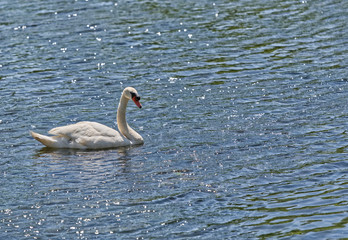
x,y
92,168
120,154
58,152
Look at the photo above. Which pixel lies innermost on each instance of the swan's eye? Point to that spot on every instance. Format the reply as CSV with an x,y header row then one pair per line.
x,y
135,96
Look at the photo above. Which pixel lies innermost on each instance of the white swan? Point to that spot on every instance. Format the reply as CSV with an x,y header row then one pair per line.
x,y
93,135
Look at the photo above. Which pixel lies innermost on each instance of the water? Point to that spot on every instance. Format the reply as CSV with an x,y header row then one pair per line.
x,y
244,119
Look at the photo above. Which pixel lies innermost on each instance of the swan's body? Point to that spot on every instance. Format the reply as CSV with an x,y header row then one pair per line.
x,y
93,135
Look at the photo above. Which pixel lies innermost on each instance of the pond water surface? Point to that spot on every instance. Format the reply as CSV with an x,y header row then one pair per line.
x,y
244,117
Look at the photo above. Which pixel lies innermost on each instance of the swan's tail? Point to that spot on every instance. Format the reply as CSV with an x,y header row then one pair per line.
x,y
45,140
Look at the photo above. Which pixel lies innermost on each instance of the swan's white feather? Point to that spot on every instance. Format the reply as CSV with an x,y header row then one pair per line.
x,y
88,135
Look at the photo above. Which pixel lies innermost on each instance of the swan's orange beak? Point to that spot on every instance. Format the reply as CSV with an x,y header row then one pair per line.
x,y
136,101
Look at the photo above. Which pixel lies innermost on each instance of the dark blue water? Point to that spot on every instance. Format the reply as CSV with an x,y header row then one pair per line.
x,y
244,119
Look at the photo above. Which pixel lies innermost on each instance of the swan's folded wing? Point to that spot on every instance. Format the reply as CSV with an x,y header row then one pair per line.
x,y
90,135
84,129
73,130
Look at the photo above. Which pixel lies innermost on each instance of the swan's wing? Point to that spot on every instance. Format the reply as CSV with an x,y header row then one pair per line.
x,y
90,135
85,129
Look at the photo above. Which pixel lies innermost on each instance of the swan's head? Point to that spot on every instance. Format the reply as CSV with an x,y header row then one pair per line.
x,y
131,93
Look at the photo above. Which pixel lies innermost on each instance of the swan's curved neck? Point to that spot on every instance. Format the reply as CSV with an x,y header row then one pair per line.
x,y
122,124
